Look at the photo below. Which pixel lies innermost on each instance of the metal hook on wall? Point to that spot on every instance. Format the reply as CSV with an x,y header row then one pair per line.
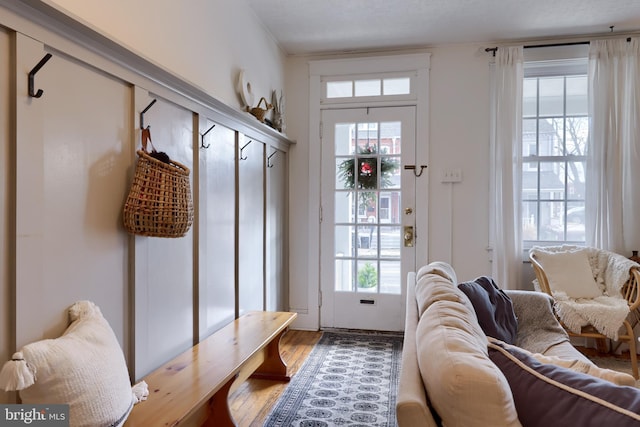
x,y
413,168
202,135
32,74
269,164
242,149
144,111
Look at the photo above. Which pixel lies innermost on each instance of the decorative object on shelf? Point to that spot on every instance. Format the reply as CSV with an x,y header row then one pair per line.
x,y
278,111
259,112
244,89
367,170
159,202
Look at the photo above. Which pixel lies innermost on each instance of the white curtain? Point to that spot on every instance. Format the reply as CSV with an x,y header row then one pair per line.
x,y
507,75
613,161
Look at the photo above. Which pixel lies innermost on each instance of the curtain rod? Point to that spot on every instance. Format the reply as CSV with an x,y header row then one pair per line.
x,y
494,49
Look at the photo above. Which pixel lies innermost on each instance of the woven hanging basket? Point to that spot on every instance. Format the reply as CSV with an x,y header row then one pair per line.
x,y
159,203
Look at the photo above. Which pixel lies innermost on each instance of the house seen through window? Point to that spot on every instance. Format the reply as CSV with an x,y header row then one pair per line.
x,y
555,130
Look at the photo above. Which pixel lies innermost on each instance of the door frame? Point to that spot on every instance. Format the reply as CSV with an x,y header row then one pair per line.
x,y
381,311
306,302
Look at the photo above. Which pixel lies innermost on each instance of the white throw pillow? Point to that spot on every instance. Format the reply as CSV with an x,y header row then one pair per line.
x,y
84,368
569,272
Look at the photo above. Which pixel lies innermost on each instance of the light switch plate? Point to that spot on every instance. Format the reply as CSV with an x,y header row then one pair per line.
x,y
451,175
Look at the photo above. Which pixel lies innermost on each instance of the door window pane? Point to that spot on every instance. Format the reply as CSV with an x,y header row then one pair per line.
x,y
390,277
367,207
344,241
342,89
385,211
390,138
399,86
367,276
344,211
368,87
367,176
345,173
344,143
390,172
390,207
367,138
390,242
367,242
344,275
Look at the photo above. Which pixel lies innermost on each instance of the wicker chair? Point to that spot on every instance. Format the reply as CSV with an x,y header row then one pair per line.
x,y
630,292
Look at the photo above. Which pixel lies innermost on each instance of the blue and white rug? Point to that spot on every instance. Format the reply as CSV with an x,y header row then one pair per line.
x,y
349,379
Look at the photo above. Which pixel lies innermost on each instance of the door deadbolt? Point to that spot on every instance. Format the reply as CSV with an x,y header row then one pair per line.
x,y
408,236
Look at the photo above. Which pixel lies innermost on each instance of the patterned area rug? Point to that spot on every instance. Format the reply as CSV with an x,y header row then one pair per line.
x,y
349,379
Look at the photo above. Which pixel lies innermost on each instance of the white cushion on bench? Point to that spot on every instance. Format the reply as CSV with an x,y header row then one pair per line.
x,y
84,368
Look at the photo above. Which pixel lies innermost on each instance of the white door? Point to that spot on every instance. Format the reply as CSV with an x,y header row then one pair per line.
x,y
368,216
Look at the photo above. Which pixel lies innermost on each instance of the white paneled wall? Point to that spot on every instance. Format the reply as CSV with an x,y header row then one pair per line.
x,y
164,283
72,166
217,227
251,225
276,233
6,218
74,156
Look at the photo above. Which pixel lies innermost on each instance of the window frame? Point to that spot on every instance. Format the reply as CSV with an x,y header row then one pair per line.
x,y
540,64
381,77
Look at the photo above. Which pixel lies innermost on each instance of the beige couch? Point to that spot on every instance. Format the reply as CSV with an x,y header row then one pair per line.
x,y
445,352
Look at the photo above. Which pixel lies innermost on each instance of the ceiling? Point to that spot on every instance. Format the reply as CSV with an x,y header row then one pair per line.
x,y
329,26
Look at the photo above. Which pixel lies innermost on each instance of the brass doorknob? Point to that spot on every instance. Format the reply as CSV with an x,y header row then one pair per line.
x,y
408,236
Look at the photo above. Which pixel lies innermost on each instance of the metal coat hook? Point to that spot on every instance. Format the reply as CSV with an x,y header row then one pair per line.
x,y
242,149
144,111
202,135
413,168
32,74
269,164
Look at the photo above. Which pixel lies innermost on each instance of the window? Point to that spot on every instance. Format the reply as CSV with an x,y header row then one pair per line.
x,y
393,86
555,130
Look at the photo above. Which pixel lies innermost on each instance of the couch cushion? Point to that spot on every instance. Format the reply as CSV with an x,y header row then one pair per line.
x,y
432,287
549,395
463,385
493,308
440,268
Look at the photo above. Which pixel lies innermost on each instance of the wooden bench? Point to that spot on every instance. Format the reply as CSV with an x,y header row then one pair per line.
x,y
193,388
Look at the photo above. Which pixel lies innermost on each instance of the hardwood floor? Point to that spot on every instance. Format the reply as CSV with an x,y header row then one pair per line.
x,y
252,401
